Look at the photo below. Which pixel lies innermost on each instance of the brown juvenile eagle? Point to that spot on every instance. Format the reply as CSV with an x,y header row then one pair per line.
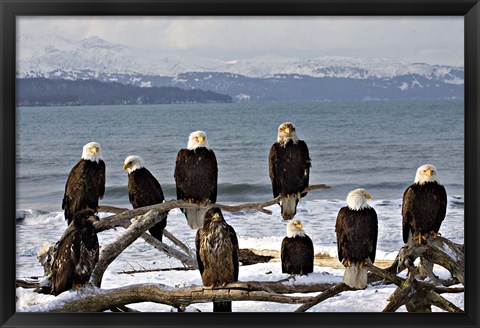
x,y
75,254
217,254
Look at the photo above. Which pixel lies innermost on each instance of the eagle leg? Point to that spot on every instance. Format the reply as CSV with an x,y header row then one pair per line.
x,y
435,234
362,264
420,238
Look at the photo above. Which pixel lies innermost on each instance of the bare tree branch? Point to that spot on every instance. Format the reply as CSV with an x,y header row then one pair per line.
x,y
332,291
437,250
110,251
93,299
122,217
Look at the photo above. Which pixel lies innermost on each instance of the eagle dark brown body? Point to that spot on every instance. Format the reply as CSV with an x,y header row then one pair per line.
x,y
217,254
423,209
144,190
75,254
84,187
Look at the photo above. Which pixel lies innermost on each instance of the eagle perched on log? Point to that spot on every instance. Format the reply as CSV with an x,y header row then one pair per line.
x,y
424,205
75,254
357,231
217,254
86,182
144,190
196,175
297,250
289,168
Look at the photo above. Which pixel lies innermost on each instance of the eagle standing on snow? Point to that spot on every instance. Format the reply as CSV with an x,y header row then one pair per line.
x,y
196,175
217,254
424,205
289,168
297,250
85,183
75,254
144,190
357,230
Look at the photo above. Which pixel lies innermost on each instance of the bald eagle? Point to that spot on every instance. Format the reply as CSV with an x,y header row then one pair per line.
x,y
144,190
297,250
424,205
357,230
289,168
75,254
86,182
217,254
196,175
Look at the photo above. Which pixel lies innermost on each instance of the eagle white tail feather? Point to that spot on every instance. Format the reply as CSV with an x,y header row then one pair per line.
x,y
195,217
355,277
289,207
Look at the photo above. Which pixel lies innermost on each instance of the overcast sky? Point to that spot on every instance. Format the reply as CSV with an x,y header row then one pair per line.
x,y
433,40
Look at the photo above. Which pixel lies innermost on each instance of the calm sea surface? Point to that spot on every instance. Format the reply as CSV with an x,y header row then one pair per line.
x,y
376,145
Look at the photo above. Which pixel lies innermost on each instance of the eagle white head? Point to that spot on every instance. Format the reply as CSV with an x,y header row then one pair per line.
x,y
286,132
426,173
295,229
92,152
197,139
357,199
132,163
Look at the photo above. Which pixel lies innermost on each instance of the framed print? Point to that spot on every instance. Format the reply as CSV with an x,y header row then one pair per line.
x,y
301,119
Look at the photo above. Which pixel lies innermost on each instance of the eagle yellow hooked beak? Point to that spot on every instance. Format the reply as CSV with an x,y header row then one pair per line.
x,y
201,139
368,196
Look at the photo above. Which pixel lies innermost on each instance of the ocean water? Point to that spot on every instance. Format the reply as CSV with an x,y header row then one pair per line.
x,y
376,145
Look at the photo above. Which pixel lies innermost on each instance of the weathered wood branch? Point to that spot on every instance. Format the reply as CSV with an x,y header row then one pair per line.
x,y
285,286
385,274
110,251
95,299
178,242
417,296
188,260
332,291
437,250
122,216
155,270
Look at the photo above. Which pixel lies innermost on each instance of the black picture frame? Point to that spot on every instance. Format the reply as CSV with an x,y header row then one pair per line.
x,y
470,9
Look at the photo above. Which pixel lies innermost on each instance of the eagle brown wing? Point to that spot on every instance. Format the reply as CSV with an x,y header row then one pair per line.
x,y
272,164
64,262
86,250
289,168
235,250
356,234
144,189
198,241
196,174
407,203
84,187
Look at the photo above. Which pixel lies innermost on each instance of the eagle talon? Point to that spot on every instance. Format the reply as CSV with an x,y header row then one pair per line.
x,y
420,238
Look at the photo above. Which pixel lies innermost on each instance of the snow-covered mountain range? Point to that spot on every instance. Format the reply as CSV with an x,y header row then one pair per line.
x,y
94,58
